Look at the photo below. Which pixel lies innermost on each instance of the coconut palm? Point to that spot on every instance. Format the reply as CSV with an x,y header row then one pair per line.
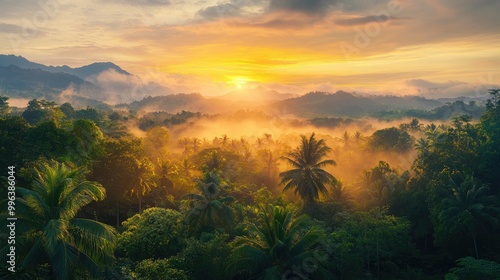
x,y
308,177
281,244
210,208
469,209
144,181
51,232
341,194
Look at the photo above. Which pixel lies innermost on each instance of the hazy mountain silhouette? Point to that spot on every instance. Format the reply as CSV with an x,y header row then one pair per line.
x,y
256,95
315,104
344,104
36,83
81,72
193,102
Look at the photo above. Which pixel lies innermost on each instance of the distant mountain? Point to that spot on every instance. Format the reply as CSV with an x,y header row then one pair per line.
x,y
480,99
98,82
193,102
81,72
36,83
344,104
255,95
316,104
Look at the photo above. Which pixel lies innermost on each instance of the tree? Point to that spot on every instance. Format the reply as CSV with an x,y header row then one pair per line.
x,y
210,209
119,170
156,233
379,241
158,269
391,139
470,268
468,210
203,258
39,111
89,139
490,151
283,246
4,106
46,214
382,184
341,194
308,177
144,181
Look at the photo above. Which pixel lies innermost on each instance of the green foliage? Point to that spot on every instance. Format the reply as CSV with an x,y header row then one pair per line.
x,y
471,268
4,106
210,209
89,140
467,210
372,243
12,133
123,170
490,151
158,269
156,233
204,258
283,246
51,232
391,139
382,185
308,177
47,140
41,111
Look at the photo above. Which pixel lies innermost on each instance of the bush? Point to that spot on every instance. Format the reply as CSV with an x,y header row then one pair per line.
x,y
471,268
158,269
156,233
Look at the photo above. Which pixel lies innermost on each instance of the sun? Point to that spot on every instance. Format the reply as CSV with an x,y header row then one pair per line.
x,y
238,82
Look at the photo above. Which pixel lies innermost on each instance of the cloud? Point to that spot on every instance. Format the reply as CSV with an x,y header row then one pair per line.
x,y
221,10
303,6
431,89
10,28
421,83
232,8
144,2
119,88
362,20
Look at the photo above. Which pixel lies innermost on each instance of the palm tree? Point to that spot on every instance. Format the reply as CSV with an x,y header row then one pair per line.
x,y
341,194
469,209
196,144
346,139
143,181
46,215
210,208
307,176
280,245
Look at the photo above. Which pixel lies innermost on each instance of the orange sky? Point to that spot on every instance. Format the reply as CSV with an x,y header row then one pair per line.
x,y
430,47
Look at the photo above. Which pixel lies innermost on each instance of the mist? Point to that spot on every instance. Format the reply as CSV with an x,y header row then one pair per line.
x,y
248,134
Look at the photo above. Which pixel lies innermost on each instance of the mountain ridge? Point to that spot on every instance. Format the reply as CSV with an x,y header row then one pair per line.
x,y
82,72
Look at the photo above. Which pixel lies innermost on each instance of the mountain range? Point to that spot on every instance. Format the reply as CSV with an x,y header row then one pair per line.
x,y
83,72
314,104
103,83
81,86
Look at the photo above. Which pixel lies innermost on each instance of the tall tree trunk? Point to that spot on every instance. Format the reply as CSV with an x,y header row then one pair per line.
x,y
117,214
475,245
378,257
140,202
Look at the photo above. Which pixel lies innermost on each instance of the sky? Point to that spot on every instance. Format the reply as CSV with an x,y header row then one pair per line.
x,y
432,48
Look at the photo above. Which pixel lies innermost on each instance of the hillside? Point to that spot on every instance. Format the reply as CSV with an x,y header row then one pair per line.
x,y
35,83
81,72
344,104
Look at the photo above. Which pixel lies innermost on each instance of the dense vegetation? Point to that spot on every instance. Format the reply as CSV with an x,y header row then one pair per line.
x,y
412,201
